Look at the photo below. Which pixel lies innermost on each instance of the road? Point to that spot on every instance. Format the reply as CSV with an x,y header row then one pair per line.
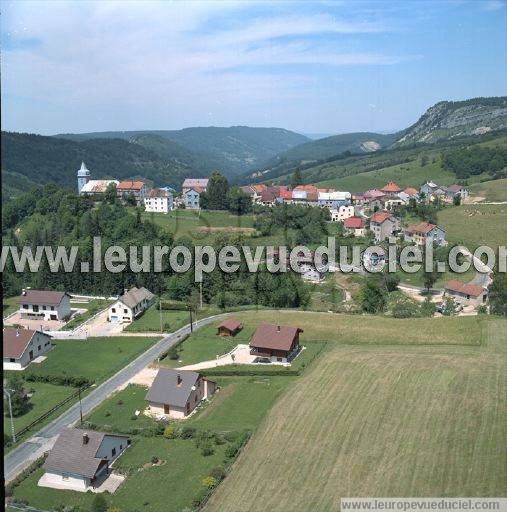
x,y
31,449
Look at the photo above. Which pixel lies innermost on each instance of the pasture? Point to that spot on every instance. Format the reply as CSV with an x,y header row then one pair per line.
x,y
380,420
495,190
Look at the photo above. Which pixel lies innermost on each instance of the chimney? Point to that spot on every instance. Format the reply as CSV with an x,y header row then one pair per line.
x,y
23,291
179,380
277,328
85,438
17,331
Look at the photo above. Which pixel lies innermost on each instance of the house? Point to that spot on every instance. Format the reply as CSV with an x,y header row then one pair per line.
x,y
44,305
309,272
80,459
96,188
432,191
269,196
373,256
21,346
408,194
419,233
333,200
254,191
383,225
391,189
158,200
130,305
466,294
285,196
176,393
200,183
456,190
192,198
354,226
343,212
229,327
136,188
390,202
279,343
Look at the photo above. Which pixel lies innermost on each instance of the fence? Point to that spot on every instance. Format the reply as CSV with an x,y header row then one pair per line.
x,y
51,411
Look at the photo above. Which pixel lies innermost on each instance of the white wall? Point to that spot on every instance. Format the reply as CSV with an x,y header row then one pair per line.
x,y
22,362
119,311
71,481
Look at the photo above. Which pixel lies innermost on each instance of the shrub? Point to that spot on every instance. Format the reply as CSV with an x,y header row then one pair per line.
x,y
169,432
207,448
218,473
172,353
231,451
99,504
187,432
219,439
428,308
9,488
209,482
154,459
199,498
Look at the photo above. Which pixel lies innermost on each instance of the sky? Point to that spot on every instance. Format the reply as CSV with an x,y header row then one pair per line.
x,y
312,67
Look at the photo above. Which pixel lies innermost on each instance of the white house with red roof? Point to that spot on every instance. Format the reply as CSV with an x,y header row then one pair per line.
x,y
44,305
354,226
22,346
383,225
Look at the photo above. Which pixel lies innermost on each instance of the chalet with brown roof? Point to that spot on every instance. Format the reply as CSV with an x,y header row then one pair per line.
x,y
22,346
229,327
466,294
383,225
44,305
278,343
423,233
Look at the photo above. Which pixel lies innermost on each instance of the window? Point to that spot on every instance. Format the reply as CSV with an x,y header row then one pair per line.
x,y
12,360
113,452
65,477
126,311
279,359
25,306
44,308
52,308
113,310
39,347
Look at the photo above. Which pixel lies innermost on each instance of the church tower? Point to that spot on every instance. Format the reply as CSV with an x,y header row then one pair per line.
x,y
83,177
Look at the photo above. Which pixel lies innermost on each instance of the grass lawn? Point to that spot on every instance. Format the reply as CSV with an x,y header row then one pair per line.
x,y
494,190
43,397
201,225
9,305
96,358
417,278
475,224
92,307
150,320
380,421
326,296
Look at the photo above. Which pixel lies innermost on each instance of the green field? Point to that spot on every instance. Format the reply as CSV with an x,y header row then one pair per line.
x,y
380,421
201,225
94,358
475,224
494,191
9,305
172,320
43,397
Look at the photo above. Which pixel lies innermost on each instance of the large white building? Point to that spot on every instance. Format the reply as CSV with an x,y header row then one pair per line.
x,y
342,213
22,346
158,201
44,305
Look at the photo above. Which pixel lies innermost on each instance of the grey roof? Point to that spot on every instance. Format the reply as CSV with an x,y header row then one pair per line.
x,y
71,455
135,296
165,388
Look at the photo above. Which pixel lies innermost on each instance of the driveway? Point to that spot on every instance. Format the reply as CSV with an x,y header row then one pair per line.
x,y
34,447
99,326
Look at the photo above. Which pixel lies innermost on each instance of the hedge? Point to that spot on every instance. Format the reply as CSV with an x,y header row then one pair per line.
x,y
60,380
9,488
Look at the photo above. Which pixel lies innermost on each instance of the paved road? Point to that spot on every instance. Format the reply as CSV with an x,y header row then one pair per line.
x,y
30,450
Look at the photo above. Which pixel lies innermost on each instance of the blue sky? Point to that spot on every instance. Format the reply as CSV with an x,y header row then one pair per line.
x,y
313,67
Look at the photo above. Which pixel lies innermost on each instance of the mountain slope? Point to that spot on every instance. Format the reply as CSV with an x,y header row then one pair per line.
x,y
451,119
49,159
233,150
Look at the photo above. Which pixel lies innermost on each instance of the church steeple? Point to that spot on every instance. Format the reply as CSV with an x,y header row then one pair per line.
x,y
83,177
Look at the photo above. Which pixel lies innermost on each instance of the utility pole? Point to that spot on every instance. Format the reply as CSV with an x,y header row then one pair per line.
x,y
80,406
160,310
190,312
200,289
10,413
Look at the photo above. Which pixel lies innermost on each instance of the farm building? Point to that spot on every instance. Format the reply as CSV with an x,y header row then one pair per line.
x,y
22,346
176,393
229,327
130,305
279,343
79,459
44,305
466,294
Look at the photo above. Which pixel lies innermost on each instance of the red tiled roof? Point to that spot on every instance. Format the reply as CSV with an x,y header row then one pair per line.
x,y
158,192
372,194
422,227
15,341
231,324
391,187
130,185
259,188
353,223
380,217
285,194
467,289
277,337
410,191
307,188
41,297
